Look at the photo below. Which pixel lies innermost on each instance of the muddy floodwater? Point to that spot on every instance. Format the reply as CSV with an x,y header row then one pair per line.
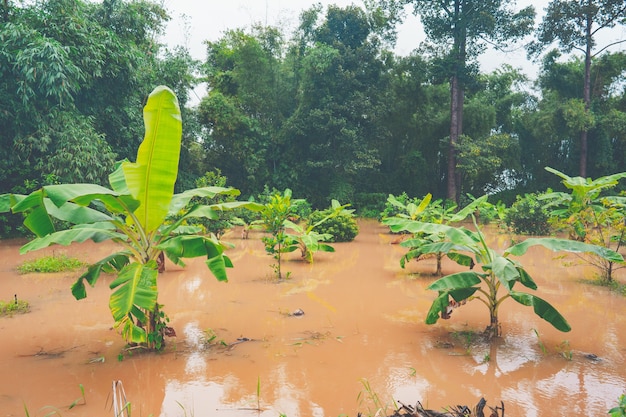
x,y
360,343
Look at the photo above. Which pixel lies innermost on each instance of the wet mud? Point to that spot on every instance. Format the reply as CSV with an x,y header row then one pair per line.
x,y
342,335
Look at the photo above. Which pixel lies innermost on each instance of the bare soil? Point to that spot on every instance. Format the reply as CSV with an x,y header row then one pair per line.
x,y
343,335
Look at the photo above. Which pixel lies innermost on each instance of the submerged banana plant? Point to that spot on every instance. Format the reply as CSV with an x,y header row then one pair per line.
x,y
492,276
133,213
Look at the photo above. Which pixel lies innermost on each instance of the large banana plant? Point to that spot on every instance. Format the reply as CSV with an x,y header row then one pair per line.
x,y
499,273
133,213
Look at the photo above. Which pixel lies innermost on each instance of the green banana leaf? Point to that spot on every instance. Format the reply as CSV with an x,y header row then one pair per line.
x,y
179,201
134,287
566,245
440,304
151,179
456,281
543,309
505,270
115,262
97,232
188,246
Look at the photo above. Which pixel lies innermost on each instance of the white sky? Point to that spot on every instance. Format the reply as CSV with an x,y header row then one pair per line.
x,y
194,21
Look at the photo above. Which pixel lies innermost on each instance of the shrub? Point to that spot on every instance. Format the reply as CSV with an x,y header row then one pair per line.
x,y
369,205
527,216
342,227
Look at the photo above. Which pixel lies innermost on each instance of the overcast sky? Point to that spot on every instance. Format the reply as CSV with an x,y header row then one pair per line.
x,y
194,21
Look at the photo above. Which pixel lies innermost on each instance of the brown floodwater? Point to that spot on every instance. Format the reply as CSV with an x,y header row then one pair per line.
x,y
360,343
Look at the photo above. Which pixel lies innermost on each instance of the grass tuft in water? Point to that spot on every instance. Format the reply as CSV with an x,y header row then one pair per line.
x,y
613,285
51,263
15,306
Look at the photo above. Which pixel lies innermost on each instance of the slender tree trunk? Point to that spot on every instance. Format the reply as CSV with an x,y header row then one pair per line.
x,y
457,93
454,137
587,100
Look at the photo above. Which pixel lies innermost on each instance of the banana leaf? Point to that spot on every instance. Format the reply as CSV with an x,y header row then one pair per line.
x,y
543,309
151,179
566,245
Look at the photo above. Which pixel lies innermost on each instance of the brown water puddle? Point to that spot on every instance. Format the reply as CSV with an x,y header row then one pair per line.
x,y
362,326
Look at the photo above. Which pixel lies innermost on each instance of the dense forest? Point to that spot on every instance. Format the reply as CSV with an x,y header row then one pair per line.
x,y
329,110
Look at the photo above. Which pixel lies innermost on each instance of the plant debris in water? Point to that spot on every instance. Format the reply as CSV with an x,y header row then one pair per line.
x,y
455,411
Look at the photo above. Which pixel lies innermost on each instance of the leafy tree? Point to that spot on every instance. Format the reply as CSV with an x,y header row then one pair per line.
x,y
465,27
574,25
498,275
332,135
411,129
549,131
248,101
132,213
74,76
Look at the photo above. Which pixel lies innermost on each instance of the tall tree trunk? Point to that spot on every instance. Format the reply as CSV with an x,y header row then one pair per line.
x,y
454,137
457,94
586,99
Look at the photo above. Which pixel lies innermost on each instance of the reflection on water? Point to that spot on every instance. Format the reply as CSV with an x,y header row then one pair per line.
x,y
361,334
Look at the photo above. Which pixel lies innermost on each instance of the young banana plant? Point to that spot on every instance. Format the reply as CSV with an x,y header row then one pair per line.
x,y
492,276
133,213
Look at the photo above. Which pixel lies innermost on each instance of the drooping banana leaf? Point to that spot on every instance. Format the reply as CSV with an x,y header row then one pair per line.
x,y
456,281
98,232
114,262
566,245
188,246
543,309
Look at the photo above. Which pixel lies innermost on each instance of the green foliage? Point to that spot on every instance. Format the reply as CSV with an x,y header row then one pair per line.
x,y
498,275
52,263
430,212
15,306
590,215
369,205
274,214
527,216
342,227
309,240
223,219
620,410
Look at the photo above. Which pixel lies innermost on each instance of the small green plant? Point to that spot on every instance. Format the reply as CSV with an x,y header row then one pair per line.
x,y
80,400
542,346
340,224
258,393
435,213
620,410
274,214
565,350
526,216
369,394
182,407
51,263
14,306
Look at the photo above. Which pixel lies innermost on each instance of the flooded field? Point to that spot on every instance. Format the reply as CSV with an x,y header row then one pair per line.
x,y
243,348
